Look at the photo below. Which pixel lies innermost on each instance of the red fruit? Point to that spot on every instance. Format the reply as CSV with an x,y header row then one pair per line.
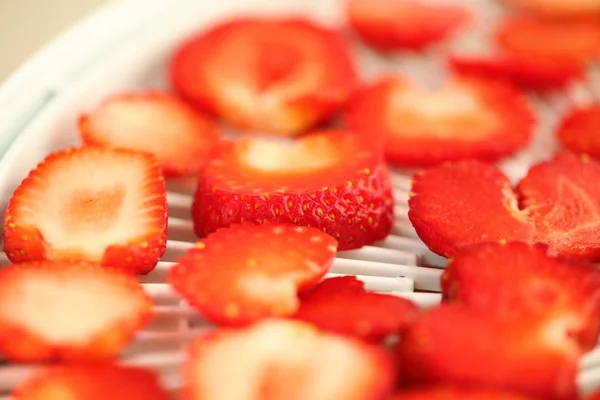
x,y
465,203
91,382
247,272
456,393
279,76
342,305
280,360
594,396
90,204
334,181
156,123
467,118
579,128
457,346
559,8
530,282
68,311
405,24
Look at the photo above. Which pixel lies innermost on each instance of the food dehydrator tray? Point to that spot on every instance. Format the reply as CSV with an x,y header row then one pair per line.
x,y
125,46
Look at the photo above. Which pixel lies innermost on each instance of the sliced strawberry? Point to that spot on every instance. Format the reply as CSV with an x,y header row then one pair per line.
x,y
570,40
247,272
91,204
469,117
343,305
91,382
68,311
280,76
456,393
457,346
559,8
529,281
405,24
334,181
156,123
579,129
280,360
468,202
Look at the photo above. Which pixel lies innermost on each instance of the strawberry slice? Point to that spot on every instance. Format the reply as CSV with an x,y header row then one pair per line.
x,y
342,305
279,76
91,382
468,117
453,345
578,130
90,204
156,123
456,393
279,360
247,272
558,8
554,39
68,311
405,24
334,181
529,281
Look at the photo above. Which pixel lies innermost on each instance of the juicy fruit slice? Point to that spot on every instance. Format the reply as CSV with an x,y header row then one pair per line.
x,y
559,8
578,130
500,354
68,311
334,181
405,24
465,203
280,360
156,123
342,305
530,282
456,393
279,76
90,204
467,118
247,272
91,382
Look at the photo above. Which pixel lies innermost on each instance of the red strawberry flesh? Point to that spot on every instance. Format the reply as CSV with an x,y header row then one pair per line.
x,y
578,130
444,392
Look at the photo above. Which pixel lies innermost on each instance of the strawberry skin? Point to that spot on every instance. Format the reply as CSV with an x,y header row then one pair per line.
x,y
68,311
91,382
90,204
456,393
156,123
578,130
279,360
334,181
342,305
240,274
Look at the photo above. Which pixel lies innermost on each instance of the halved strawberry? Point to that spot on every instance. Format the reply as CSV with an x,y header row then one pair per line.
x,y
92,204
334,181
157,123
446,392
68,311
468,117
555,39
280,360
342,305
246,272
529,281
279,76
405,24
91,382
559,8
453,345
579,129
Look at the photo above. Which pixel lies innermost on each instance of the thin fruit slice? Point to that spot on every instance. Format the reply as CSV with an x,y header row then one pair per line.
x,y
342,305
467,118
157,123
559,8
445,392
405,24
579,129
465,203
279,76
90,204
281,360
334,181
529,281
68,311
453,345
246,272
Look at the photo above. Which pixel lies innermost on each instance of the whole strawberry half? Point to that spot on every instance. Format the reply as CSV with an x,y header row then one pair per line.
x,y
448,392
334,181
90,204
280,76
578,130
